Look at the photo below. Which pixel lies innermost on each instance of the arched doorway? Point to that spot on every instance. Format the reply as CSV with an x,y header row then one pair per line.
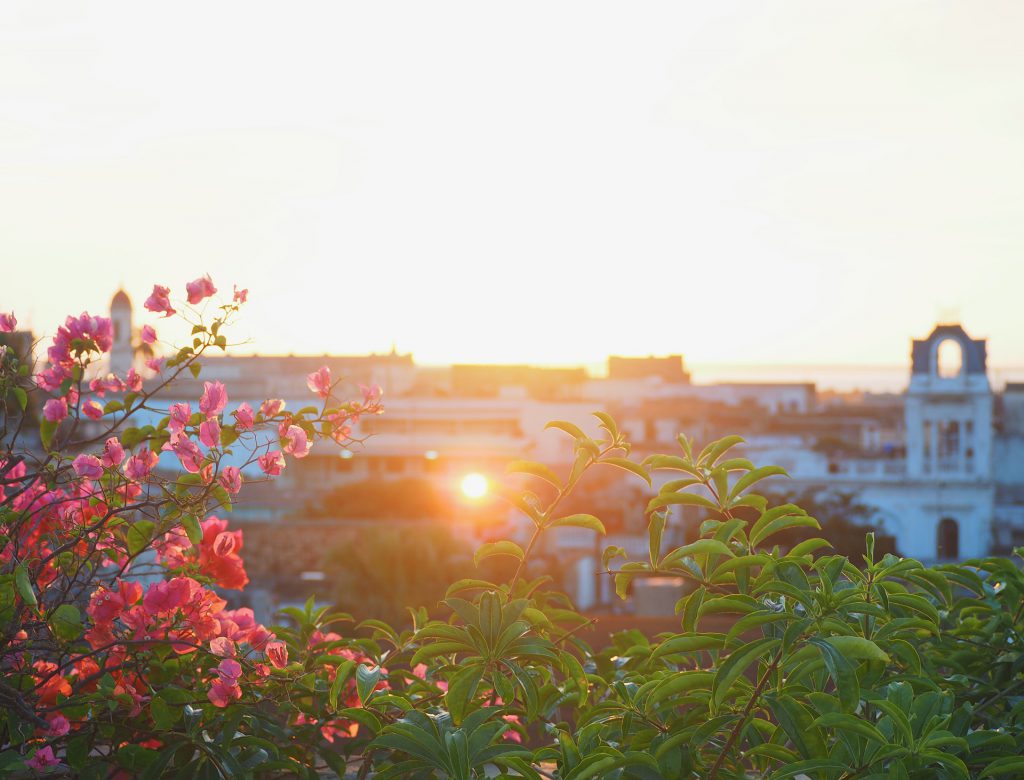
x,y
948,539
949,358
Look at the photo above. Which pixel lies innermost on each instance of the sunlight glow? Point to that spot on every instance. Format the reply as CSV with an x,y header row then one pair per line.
x,y
474,485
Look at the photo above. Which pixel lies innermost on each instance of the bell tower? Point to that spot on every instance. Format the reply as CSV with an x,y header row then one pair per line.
x,y
122,355
948,412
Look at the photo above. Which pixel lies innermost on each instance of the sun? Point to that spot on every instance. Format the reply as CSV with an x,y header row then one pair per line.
x,y
474,485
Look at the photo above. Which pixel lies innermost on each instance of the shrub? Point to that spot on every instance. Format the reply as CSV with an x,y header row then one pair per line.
x,y
120,658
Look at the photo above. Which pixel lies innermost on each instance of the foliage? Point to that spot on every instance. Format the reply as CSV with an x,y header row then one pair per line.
x,y
116,661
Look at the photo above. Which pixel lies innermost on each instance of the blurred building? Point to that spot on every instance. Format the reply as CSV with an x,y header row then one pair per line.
x,y
941,464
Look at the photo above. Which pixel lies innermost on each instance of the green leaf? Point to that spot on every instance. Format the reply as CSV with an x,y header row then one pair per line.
x,y
461,690
535,469
1008,765
568,427
842,672
858,647
366,681
629,466
655,530
341,675
163,716
700,547
608,424
852,725
47,429
752,477
686,499
580,521
716,449
491,549
195,368
24,584
139,536
736,664
21,396
66,622
193,529
807,768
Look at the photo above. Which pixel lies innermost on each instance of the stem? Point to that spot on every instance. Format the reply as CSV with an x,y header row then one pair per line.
x,y
734,734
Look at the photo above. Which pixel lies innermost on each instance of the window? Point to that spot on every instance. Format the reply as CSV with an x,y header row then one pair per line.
x,y
948,542
949,358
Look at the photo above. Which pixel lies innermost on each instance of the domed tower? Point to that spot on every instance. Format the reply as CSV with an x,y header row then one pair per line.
x,y
122,355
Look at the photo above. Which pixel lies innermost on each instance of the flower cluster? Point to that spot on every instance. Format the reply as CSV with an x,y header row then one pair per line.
x,y
104,625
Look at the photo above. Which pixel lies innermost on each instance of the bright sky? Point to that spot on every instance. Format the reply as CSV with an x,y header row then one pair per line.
x,y
534,181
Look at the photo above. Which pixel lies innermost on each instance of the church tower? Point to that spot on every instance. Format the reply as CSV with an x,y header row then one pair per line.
x,y
949,409
122,355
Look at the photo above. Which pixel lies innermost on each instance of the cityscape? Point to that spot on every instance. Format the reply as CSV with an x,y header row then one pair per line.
x,y
458,390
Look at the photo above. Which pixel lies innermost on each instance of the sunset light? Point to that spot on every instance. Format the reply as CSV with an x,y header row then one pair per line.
x,y
474,485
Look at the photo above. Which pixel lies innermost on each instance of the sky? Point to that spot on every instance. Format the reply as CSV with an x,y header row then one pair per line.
x,y
742,183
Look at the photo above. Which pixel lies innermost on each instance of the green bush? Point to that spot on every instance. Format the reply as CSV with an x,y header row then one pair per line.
x,y
829,670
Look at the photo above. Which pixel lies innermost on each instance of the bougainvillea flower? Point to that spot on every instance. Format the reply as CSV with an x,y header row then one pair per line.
x,y
188,453
244,417
148,334
214,399
56,409
297,442
159,301
92,409
87,466
320,381
272,407
277,652
113,453
231,479
272,463
8,322
240,296
209,432
222,693
200,288
140,464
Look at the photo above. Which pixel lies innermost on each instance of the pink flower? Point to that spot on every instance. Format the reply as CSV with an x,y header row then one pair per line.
x,y
371,394
166,596
87,466
159,301
320,381
209,432
113,453
156,365
180,414
92,410
224,543
222,693
297,442
244,418
231,479
277,652
188,453
229,670
272,463
56,409
133,380
223,647
214,399
59,726
43,759
8,322
148,334
272,407
199,289
139,465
